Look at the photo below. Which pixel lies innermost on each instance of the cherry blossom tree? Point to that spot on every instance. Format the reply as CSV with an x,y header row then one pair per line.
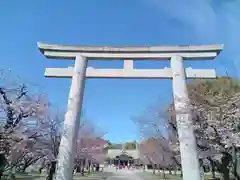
x,y
159,147
214,106
90,147
51,130
31,130
20,111
157,152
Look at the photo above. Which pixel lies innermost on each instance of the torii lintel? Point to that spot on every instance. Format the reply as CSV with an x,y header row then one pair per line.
x,y
199,52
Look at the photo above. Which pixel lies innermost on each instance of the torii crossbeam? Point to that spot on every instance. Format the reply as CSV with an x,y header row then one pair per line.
x,y
177,72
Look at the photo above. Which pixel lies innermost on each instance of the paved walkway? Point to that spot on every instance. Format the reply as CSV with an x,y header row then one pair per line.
x,y
122,174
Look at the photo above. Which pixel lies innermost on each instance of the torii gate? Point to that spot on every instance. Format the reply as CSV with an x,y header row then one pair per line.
x,y
177,72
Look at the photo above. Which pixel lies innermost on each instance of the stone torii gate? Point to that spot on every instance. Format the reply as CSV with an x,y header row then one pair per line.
x,y
177,72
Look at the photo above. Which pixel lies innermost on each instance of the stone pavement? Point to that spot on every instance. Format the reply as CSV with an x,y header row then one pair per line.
x,y
122,174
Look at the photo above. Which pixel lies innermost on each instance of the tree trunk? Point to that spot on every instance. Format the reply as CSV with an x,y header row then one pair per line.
x,y
25,166
164,174
52,170
97,167
2,164
82,167
175,171
92,167
235,161
43,165
159,171
226,174
78,168
89,167
212,168
154,169
86,164
226,159
40,169
170,170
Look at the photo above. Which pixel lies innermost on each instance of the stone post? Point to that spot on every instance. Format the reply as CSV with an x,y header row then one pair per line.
x,y
67,147
189,156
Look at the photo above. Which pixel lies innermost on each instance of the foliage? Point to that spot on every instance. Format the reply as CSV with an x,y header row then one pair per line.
x,y
214,106
127,145
130,145
114,146
31,133
215,114
21,112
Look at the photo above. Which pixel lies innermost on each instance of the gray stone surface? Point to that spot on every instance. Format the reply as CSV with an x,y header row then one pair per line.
x,y
165,73
133,49
138,56
71,123
123,174
178,73
133,52
188,150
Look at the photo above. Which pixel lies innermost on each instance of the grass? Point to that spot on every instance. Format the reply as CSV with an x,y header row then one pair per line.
x,y
157,176
77,176
101,176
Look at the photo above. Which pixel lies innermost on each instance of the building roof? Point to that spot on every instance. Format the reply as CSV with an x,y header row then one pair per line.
x,y
112,153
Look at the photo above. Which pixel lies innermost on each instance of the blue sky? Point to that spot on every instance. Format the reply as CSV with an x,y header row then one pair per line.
x,y
111,104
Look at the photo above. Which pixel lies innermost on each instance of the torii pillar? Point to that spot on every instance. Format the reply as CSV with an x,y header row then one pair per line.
x,y
177,72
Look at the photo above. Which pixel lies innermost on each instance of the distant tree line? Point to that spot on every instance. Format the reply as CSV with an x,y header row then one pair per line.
x,y
127,145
